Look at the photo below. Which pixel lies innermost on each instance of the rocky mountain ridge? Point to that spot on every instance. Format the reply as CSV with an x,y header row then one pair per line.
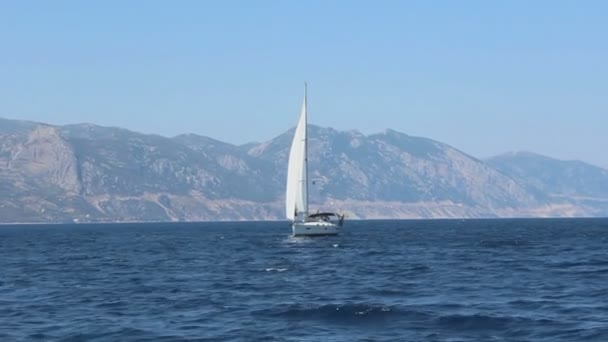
x,y
90,173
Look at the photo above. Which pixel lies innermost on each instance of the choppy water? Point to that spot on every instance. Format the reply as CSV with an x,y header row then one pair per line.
x,y
472,280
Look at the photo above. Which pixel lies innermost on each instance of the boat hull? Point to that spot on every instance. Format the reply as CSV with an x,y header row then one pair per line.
x,y
314,228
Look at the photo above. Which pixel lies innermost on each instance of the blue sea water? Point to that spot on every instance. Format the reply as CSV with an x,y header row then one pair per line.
x,y
411,280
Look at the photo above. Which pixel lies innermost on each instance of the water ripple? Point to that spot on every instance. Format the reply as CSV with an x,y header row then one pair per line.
x,y
460,280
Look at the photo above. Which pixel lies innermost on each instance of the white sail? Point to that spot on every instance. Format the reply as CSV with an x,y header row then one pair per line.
x,y
296,197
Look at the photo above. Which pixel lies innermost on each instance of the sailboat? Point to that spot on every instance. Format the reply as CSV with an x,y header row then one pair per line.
x,y
296,194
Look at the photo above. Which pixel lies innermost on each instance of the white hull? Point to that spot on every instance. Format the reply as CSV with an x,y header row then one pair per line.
x,y
314,228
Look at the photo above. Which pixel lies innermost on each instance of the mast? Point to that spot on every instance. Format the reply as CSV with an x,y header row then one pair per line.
x,y
306,145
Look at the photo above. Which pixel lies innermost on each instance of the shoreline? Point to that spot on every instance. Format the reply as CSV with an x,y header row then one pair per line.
x,y
275,220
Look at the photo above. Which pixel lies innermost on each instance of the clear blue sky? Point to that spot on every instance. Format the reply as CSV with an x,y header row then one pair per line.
x,y
483,76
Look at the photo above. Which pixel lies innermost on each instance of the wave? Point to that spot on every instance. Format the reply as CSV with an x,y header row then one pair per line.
x,y
478,321
112,335
348,314
501,243
474,322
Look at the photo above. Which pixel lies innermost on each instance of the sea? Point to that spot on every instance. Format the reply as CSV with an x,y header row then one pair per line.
x,y
385,280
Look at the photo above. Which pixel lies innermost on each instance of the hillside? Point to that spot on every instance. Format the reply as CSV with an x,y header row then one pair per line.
x,y
87,173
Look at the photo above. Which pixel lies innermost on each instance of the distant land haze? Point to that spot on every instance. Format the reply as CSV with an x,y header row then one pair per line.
x,y
90,173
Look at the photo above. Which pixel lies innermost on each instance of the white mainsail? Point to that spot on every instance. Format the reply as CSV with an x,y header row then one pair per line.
x,y
296,196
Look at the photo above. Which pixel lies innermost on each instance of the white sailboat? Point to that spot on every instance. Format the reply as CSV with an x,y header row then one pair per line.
x,y
296,194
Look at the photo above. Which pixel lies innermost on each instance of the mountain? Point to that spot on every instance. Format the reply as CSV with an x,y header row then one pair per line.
x,y
90,173
391,169
557,181
93,173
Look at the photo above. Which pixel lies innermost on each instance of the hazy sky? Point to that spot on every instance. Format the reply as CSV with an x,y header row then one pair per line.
x,y
483,76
